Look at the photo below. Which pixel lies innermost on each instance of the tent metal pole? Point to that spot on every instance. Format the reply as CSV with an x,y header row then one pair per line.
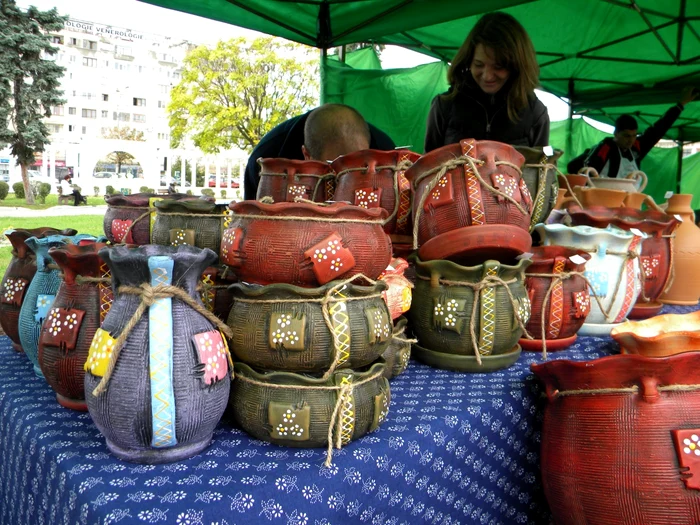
x,y
679,171
569,135
323,55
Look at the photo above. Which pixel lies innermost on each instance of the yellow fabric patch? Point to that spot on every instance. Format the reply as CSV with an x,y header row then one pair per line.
x,y
100,353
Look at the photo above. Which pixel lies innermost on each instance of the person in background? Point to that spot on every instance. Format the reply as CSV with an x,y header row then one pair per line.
x,y
67,188
621,154
492,80
323,133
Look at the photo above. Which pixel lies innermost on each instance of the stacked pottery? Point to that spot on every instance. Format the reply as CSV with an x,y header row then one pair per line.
x,y
656,255
42,290
559,297
471,210
620,440
214,292
83,299
157,374
376,179
18,275
284,180
613,271
685,289
540,175
309,323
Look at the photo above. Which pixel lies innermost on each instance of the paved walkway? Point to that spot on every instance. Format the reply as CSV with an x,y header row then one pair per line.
x,y
54,211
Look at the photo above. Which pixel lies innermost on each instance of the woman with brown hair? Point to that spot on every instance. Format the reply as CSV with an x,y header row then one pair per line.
x,y
492,89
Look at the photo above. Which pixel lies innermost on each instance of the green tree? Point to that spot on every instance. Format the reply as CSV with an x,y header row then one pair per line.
x,y
29,81
233,94
122,133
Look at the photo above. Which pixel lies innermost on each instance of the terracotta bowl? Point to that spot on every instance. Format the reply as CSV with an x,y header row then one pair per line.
x,y
660,336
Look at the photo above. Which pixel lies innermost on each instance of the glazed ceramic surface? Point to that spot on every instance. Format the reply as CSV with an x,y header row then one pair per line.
x,y
398,354
284,180
635,181
171,381
282,327
18,275
459,200
376,179
443,306
300,417
613,269
540,175
686,254
619,449
660,336
305,244
42,291
75,315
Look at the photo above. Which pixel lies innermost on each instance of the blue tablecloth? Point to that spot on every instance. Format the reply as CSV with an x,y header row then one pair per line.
x,y
456,448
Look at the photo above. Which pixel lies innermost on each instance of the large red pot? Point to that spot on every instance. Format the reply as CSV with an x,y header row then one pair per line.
x,y
656,256
18,276
376,179
304,244
286,179
473,183
619,440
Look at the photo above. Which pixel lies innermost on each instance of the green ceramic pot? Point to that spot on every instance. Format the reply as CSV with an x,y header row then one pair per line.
x,y
540,175
296,410
443,301
398,353
282,327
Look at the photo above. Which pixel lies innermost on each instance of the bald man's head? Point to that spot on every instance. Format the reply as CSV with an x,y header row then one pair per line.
x,y
333,130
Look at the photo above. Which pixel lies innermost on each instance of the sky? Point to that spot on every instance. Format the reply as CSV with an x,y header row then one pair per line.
x,y
138,16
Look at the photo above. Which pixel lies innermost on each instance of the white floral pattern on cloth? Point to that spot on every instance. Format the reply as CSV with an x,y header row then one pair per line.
x,y
455,449
62,327
13,290
330,258
368,197
442,194
211,349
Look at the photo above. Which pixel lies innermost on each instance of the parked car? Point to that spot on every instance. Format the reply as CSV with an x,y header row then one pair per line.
x,y
222,183
103,175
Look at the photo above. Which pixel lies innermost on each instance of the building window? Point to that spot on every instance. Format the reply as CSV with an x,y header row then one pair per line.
x,y
89,113
105,63
164,88
73,41
55,128
71,111
105,97
142,69
105,114
56,39
75,93
89,44
70,127
139,101
122,117
84,130
57,110
89,62
162,104
89,96
72,58
121,66
139,118
123,50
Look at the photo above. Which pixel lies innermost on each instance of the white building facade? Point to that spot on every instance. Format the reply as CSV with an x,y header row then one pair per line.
x,y
118,78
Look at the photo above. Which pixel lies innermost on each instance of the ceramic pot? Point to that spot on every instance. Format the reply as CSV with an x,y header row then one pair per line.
x,y
82,301
171,381
197,223
570,181
540,175
304,244
447,206
656,250
660,336
214,291
285,179
635,181
398,354
398,294
19,273
613,269
445,306
282,327
685,288
271,406
42,291
376,179
626,456
567,300
587,197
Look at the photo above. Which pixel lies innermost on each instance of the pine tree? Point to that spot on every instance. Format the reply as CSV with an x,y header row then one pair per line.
x,y
29,81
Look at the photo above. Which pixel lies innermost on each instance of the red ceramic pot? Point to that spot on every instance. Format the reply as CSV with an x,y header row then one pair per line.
x,y
304,244
619,440
482,186
656,255
214,291
568,302
18,276
83,299
376,179
285,179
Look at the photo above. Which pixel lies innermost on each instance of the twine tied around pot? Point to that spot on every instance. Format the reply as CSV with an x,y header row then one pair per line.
x,y
335,424
296,176
397,337
634,389
439,171
543,167
149,294
139,218
489,281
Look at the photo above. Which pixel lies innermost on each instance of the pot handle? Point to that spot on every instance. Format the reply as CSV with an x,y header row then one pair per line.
x,y
651,203
640,177
434,278
589,172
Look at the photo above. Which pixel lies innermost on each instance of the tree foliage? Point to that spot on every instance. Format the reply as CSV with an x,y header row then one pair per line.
x,y
29,81
123,133
233,94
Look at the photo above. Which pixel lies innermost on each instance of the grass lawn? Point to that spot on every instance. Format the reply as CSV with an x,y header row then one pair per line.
x,y
51,200
83,223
